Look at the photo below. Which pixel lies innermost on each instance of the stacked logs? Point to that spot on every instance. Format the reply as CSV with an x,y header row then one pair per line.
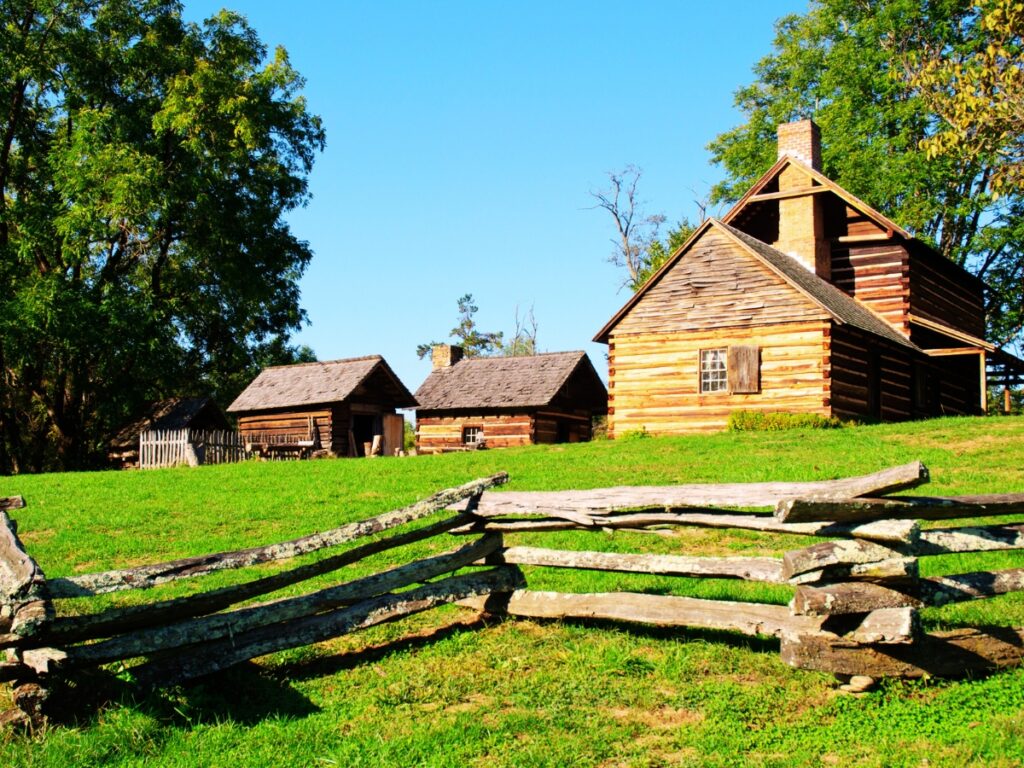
x,y
856,601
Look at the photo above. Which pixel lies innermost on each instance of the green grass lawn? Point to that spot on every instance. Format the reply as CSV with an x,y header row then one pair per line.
x,y
441,690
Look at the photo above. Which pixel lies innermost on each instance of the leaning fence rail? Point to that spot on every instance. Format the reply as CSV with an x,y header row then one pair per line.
x,y
854,612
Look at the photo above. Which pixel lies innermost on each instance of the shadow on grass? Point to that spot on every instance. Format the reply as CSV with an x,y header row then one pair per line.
x,y
329,665
245,694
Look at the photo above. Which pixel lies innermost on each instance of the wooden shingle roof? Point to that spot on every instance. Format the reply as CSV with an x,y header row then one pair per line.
x,y
842,307
509,382
302,384
173,413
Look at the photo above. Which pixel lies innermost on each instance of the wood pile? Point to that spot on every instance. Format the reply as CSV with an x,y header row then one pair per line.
x,y
857,589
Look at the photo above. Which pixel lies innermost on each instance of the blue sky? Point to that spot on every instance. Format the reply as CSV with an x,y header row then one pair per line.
x,y
464,138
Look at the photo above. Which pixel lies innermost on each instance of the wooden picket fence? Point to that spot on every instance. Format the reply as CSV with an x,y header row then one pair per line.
x,y
854,611
177,447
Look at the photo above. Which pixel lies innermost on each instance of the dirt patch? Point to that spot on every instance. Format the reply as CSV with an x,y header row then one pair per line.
x,y
661,718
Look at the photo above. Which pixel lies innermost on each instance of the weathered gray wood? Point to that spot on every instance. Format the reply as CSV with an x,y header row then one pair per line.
x,y
75,628
944,654
30,618
886,531
151,575
832,553
20,576
605,500
658,610
276,612
986,538
849,597
914,507
940,590
893,571
218,655
887,626
766,569
43,661
861,597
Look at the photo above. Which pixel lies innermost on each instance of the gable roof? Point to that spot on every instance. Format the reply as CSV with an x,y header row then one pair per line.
x,y
505,382
173,413
817,176
840,306
289,386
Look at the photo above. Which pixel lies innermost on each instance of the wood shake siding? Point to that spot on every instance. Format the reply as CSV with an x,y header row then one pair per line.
x,y
716,285
654,379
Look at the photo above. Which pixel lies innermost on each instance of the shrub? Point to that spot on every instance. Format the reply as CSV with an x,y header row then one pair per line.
x,y
776,421
635,434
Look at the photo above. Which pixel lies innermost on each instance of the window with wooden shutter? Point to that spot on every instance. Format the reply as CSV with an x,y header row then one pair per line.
x,y
744,368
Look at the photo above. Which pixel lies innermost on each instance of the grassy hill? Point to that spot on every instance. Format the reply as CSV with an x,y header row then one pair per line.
x,y
439,690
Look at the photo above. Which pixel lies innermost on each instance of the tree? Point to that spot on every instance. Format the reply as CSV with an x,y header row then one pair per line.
x,y
978,91
843,63
474,343
145,168
638,245
524,336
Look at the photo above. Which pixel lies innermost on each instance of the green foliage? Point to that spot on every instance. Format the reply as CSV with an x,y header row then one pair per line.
x,y
431,691
146,165
776,421
408,436
476,343
843,63
979,93
632,435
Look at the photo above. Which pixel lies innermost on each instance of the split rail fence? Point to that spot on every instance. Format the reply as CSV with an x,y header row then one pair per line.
x,y
854,611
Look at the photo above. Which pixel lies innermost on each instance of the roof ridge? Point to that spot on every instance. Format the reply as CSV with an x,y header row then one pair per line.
x,y
325,362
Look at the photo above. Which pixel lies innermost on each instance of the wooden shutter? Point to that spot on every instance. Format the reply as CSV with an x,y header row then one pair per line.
x,y
744,370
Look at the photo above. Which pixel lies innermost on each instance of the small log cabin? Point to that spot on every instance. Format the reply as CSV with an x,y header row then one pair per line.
x,y
338,408
192,413
802,299
506,401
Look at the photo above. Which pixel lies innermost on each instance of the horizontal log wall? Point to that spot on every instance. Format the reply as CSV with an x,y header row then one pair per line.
x,y
654,378
435,432
943,292
287,426
850,354
876,275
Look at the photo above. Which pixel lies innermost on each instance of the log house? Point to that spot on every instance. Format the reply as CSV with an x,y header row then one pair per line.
x,y
341,407
507,401
802,299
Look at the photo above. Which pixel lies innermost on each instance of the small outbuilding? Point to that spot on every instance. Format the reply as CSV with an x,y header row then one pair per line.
x,y
192,414
506,401
339,408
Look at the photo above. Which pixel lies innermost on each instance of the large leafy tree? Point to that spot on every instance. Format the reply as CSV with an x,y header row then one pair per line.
x,y
145,166
845,64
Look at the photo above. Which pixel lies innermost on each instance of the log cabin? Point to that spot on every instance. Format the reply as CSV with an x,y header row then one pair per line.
x,y
337,408
499,402
802,299
192,413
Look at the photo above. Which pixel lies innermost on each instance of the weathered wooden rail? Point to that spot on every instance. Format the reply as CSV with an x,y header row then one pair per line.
x,y
854,612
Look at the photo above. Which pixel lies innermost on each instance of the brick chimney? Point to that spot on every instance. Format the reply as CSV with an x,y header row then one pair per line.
x,y
801,220
801,139
445,355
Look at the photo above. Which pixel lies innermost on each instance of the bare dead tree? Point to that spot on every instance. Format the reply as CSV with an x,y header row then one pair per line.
x,y
636,230
524,335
